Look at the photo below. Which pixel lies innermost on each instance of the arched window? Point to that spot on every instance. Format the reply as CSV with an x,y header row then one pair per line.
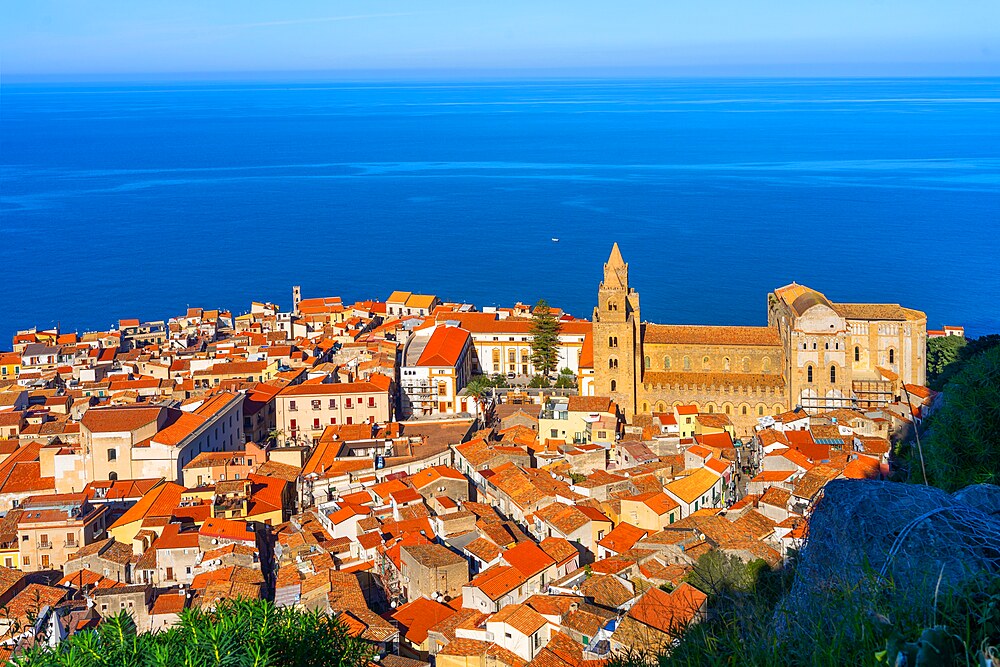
x,y
746,364
611,305
645,407
113,476
687,363
833,374
809,373
826,346
729,409
646,363
744,409
765,364
892,356
611,341
705,362
614,385
760,410
857,353
725,363
666,363
612,363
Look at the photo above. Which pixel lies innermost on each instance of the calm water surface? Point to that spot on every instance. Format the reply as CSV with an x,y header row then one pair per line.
x,y
136,201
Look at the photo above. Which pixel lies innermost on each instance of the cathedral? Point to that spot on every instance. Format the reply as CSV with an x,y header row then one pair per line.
x,y
813,354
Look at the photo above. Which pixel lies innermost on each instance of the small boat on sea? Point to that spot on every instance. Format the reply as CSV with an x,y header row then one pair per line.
x,y
555,240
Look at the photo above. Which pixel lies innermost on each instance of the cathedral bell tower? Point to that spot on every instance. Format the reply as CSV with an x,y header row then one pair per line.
x,y
617,336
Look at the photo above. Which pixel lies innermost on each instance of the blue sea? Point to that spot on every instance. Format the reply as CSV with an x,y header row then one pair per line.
x,y
140,200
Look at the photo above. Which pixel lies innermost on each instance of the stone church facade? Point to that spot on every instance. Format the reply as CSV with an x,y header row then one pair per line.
x,y
813,353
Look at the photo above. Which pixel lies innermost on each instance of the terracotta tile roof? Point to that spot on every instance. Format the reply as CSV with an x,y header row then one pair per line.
x,y
776,497
863,467
417,617
26,477
756,524
497,581
558,549
461,619
483,549
814,480
528,558
26,605
606,590
122,489
623,537
520,617
227,529
88,579
444,347
693,486
564,518
870,311
659,502
233,573
169,603
584,621
668,612
711,335
475,648
876,446
600,478
590,404
433,474
433,555
119,419
160,502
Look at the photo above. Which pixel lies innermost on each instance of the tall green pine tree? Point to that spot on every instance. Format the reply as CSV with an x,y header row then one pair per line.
x,y
545,345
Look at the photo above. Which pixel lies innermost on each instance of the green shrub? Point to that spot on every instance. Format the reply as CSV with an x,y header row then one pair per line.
x,y
237,634
963,437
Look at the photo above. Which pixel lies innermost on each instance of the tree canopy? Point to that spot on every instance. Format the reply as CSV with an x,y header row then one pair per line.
x,y
963,438
941,352
947,355
545,341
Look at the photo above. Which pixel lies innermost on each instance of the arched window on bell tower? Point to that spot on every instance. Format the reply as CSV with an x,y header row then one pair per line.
x,y
614,385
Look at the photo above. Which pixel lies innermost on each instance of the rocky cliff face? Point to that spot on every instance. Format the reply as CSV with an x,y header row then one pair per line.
x,y
913,543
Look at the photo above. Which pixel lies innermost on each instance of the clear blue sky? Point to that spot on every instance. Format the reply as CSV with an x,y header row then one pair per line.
x,y
788,37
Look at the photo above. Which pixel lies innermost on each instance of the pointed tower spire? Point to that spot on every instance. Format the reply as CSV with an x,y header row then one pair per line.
x,y
616,270
615,260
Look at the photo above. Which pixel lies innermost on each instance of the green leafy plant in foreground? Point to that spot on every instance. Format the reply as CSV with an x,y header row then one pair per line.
x,y
237,633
